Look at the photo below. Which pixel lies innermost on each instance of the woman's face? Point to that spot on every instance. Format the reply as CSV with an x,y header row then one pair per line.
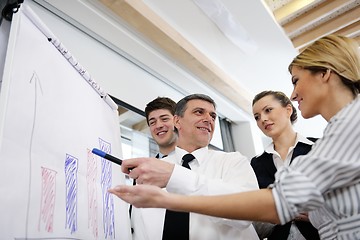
x,y
308,91
271,117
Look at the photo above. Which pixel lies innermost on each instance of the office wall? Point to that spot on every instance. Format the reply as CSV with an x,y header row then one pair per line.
x,y
128,80
117,75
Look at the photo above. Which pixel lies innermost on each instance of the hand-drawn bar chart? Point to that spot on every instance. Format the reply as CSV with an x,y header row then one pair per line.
x,y
53,187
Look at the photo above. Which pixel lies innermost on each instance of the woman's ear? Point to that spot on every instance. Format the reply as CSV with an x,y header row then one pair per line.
x,y
326,75
289,109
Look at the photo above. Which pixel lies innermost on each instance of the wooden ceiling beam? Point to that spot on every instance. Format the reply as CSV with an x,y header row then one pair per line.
x,y
323,10
328,27
121,110
291,8
358,41
140,126
140,17
353,30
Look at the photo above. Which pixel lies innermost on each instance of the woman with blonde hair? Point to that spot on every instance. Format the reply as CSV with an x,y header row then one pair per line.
x,y
325,182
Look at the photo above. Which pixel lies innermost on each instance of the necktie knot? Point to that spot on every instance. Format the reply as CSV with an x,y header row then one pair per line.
x,y
158,156
186,159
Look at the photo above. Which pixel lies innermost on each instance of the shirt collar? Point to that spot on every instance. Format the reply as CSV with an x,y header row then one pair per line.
x,y
160,155
199,154
299,138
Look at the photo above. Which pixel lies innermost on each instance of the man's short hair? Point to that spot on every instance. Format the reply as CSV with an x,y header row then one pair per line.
x,y
160,103
181,105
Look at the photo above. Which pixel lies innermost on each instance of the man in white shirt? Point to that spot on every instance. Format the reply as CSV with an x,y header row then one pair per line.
x,y
212,172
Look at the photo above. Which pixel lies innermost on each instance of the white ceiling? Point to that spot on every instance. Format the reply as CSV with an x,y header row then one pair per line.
x,y
264,68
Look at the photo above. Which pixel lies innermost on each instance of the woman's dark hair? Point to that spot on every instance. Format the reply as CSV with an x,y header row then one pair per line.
x,y
282,98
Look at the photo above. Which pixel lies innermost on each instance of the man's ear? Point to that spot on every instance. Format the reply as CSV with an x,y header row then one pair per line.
x,y
177,121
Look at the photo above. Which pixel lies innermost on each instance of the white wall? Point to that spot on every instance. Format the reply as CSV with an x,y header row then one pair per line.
x,y
130,81
312,127
117,75
90,17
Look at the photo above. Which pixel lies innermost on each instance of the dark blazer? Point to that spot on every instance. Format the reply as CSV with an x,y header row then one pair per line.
x,y
265,170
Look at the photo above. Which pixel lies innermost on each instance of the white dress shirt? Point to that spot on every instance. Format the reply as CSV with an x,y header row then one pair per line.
x,y
212,173
278,162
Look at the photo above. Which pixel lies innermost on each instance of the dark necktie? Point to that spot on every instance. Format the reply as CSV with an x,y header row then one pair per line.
x,y
176,224
158,155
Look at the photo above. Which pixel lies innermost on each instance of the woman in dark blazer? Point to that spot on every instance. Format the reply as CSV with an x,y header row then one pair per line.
x,y
275,115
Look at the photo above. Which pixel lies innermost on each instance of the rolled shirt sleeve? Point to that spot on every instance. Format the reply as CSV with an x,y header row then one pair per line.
x,y
294,193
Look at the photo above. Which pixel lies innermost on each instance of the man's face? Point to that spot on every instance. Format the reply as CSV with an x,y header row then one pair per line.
x,y
161,123
196,127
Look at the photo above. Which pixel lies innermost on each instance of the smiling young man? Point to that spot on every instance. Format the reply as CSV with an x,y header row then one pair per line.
x,y
211,172
160,118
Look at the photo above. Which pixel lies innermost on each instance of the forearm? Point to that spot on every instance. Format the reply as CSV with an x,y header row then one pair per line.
x,y
254,206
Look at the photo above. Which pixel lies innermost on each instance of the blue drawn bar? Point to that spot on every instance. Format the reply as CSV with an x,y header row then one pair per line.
x,y
71,168
108,201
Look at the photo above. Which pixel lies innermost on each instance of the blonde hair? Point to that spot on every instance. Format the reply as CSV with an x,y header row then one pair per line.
x,y
337,53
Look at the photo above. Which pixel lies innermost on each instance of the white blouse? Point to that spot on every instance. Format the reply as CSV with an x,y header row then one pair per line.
x,y
278,162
